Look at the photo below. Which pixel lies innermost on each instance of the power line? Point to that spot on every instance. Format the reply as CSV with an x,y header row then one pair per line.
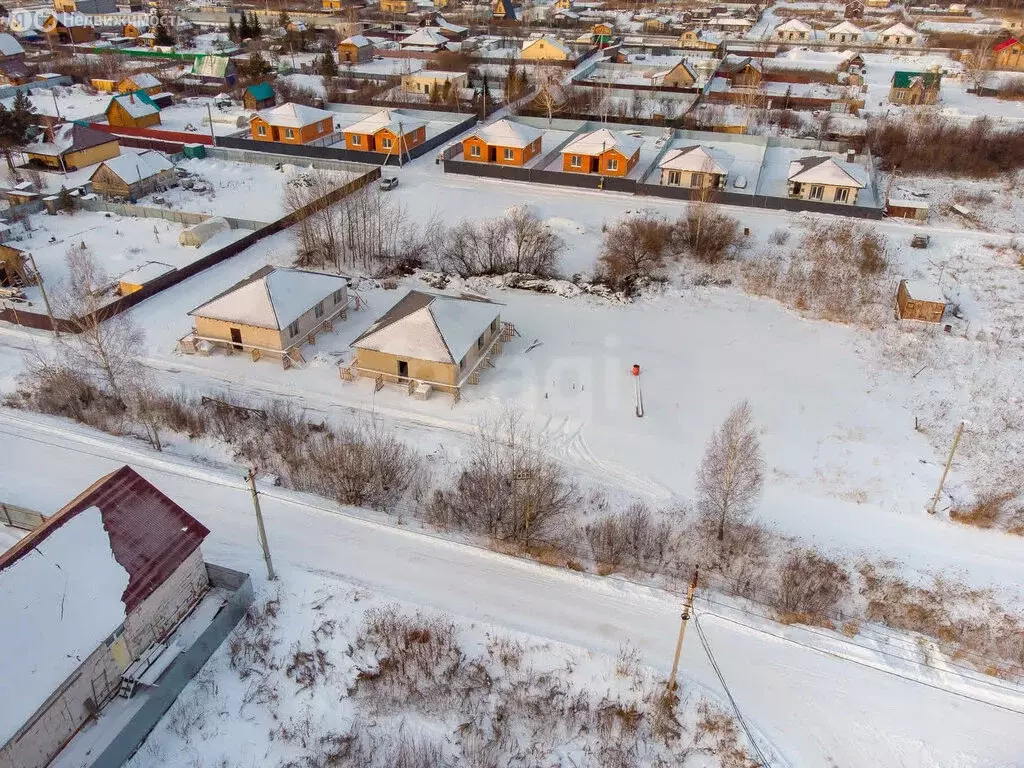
x,y
728,693
182,472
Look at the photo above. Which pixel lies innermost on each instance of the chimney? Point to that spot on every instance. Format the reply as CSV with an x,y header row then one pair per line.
x,y
851,155
131,97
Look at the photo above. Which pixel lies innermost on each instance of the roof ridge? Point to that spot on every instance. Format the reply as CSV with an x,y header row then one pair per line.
x,y
437,327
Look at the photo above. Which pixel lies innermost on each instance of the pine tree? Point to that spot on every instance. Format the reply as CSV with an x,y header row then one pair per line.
x,y
244,30
258,67
164,36
328,66
66,201
15,124
232,30
255,26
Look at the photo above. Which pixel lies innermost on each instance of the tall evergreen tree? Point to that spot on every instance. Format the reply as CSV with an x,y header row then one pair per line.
x,y
255,26
328,66
232,30
258,67
244,30
15,124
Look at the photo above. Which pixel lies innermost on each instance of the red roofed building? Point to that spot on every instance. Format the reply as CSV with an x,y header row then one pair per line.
x,y
84,596
1009,54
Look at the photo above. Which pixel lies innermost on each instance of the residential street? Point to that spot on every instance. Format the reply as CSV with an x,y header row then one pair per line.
x,y
798,697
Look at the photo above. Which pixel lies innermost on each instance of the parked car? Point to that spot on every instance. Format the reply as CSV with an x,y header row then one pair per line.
x,y
388,182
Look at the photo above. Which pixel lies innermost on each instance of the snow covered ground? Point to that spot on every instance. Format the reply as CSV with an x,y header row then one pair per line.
x,y
193,115
120,243
810,695
72,102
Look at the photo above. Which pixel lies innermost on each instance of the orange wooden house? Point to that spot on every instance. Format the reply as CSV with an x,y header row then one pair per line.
x,y
388,131
504,143
608,153
133,110
291,124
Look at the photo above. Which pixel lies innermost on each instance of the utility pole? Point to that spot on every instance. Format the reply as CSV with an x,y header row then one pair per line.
x,y
251,479
46,300
945,471
209,115
687,607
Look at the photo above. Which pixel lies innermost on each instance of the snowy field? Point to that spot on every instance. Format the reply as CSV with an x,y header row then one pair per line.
x,y
192,115
119,243
243,190
72,102
881,712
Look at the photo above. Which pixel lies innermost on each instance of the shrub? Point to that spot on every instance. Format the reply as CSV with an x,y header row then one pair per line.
x,y
636,246
517,242
708,233
635,539
811,587
984,513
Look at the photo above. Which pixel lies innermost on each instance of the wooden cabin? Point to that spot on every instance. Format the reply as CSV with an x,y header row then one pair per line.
x,y
133,110
356,49
920,300
259,96
69,146
132,176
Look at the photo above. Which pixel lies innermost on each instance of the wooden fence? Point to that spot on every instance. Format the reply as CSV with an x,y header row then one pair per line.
x,y
162,283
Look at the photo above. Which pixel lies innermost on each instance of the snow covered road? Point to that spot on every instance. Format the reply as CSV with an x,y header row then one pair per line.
x,y
814,706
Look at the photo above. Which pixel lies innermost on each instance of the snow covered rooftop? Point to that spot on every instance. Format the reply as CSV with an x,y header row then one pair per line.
x,y
391,119
553,42
294,115
601,140
135,105
359,41
922,290
898,29
144,80
271,297
506,133
70,137
425,37
137,166
9,46
828,171
845,28
70,583
426,326
440,75
793,25
696,159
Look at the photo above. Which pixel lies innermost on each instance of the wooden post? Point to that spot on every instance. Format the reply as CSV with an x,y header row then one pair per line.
x,y
687,607
42,290
251,479
945,471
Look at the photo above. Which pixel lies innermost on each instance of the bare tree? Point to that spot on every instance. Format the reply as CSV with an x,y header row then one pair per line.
x,y
105,349
731,473
510,490
517,242
635,246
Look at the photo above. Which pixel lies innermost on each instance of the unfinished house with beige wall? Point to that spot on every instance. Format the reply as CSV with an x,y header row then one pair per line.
x,y
430,342
86,598
273,312
825,179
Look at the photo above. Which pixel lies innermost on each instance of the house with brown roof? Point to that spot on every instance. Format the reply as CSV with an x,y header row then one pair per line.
x,y
69,146
87,599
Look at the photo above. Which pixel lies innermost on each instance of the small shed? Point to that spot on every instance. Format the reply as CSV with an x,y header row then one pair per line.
x,y
133,280
920,300
907,209
260,96
199,233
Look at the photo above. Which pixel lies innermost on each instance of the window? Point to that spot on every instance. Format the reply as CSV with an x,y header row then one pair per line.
x,y
474,150
293,329
832,36
510,154
696,179
576,162
318,310
289,133
817,192
674,177
261,130
339,295
385,143
796,189
356,139
842,194
613,164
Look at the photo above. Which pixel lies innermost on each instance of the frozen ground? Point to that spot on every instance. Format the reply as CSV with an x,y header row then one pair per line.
x,y
192,115
813,697
244,190
119,243
72,102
